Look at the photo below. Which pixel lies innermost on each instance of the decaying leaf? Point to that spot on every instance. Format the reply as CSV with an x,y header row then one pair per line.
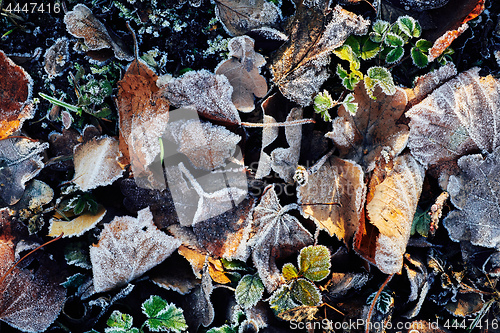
x,y
127,248
277,234
394,191
459,117
242,71
362,137
57,57
96,163
15,89
420,282
240,16
20,161
199,309
209,93
334,196
474,193
77,226
29,301
299,67
81,23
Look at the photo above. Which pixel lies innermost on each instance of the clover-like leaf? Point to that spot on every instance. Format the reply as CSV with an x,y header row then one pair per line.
x,y
289,272
282,300
391,39
384,302
419,58
409,26
163,316
249,291
379,29
394,55
119,322
379,76
305,292
314,262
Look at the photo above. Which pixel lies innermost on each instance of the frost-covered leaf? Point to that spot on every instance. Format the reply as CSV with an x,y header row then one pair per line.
x,y
299,67
361,137
391,39
322,103
209,93
163,316
282,300
474,193
249,291
127,248
77,226
381,77
240,16
81,23
419,58
242,71
57,57
384,303
341,283
333,196
29,301
394,55
77,254
284,161
119,322
277,234
96,163
420,282
394,191
305,292
459,117
409,26
289,272
300,313
314,262
20,161
198,307
206,145
16,89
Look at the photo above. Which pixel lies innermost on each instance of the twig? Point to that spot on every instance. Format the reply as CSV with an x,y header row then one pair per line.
x,y
372,306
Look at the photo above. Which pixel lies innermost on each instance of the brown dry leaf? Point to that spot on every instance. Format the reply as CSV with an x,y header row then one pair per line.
x,y
420,282
242,70
81,23
20,161
363,136
241,16
127,248
56,57
96,163
198,308
77,226
15,91
336,181
474,192
300,66
209,93
277,234
459,117
394,191
29,301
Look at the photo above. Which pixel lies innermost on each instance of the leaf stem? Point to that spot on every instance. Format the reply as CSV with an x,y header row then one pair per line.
x,y
372,306
61,103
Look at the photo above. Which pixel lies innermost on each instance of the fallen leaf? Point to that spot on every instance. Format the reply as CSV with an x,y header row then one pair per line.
x,y
20,161
240,16
15,88
422,5
341,283
77,226
420,283
198,307
333,196
96,163
473,193
242,71
277,234
180,279
81,23
57,57
29,300
127,248
457,118
363,136
299,68
393,194
209,93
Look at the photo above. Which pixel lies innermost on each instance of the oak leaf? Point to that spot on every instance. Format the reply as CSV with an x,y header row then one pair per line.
x,y
242,71
127,248
363,136
15,90
277,234
300,65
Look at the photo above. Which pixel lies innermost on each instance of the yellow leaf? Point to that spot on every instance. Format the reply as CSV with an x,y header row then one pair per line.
x,y
77,226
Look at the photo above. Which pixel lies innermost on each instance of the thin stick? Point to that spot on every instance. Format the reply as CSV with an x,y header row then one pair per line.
x,y
288,123
333,308
375,301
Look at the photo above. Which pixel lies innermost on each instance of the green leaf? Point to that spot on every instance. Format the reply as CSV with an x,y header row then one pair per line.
x,y
349,80
421,222
74,281
379,28
345,53
281,300
394,55
314,262
419,58
391,39
290,272
353,42
234,265
408,25
120,322
163,315
424,45
223,329
80,206
341,72
379,76
77,253
349,105
305,292
370,49
322,103
384,302
249,291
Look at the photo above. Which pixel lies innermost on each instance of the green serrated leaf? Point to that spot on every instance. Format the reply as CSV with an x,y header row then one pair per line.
x,y
74,281
322,103
234,265
163,315
249,291
223,329
417,31
353,42
379,76
77,254
407,25
394,55
421,222
281,300
290,272
384,302
380,27
341,72
119,322
370,49
393,40
349,104
419,58
80,206
314,262
345,53
424,45
305,292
